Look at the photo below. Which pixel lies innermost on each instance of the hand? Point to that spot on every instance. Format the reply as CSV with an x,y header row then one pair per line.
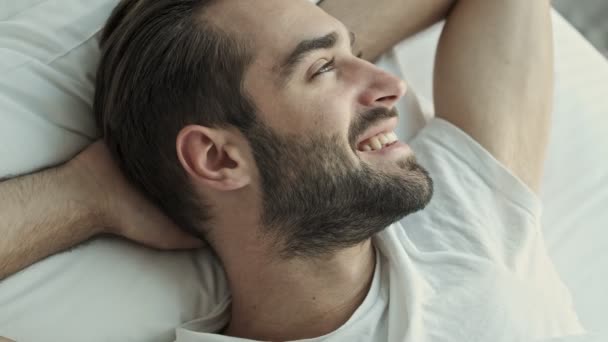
x,y
122,209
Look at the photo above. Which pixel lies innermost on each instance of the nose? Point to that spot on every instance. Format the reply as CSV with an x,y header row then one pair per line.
x,y
382,89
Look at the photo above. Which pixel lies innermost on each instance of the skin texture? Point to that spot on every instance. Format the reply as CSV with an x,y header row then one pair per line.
x,y
55,209
22,233
494,79
381,24
316,201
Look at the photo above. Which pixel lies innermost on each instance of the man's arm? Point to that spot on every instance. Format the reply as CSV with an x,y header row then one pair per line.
x,y
52,210
493,79
42,214
493,72
380,24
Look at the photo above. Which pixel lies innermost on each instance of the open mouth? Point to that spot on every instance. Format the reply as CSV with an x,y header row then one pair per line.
x,y
378,142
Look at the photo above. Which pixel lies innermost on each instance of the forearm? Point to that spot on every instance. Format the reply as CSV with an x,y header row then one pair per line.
x,y
40,217
494,79
380,24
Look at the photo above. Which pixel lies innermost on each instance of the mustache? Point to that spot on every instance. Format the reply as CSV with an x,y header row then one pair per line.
x,y
367,119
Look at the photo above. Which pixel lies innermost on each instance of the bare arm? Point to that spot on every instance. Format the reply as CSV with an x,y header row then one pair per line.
x,y
493,79
52,210
380,24
41,214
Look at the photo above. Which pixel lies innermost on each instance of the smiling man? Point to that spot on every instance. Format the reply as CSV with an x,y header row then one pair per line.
x,y
255,125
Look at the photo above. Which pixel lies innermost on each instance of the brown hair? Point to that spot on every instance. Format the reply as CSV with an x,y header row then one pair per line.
x,y
164,66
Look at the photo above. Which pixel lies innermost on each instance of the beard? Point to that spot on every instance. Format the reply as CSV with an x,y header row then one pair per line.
x,y
317,200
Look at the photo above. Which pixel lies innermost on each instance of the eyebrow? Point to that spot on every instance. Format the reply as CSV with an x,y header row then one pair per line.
x,y
306,47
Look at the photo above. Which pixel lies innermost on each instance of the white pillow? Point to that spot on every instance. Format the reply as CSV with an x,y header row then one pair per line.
x,y
48,57
109,289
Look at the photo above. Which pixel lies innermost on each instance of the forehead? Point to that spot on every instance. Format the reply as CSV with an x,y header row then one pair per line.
x,y
275,27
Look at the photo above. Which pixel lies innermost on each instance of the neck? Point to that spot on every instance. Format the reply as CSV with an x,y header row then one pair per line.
x,y
274,299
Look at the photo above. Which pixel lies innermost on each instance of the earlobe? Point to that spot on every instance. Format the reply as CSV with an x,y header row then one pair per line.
x,y
210,160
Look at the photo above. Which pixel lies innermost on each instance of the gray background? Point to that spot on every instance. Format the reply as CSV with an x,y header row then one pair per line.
x,y
590,17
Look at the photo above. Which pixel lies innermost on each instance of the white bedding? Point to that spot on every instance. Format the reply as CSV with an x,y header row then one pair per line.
x,y
111,290
575,189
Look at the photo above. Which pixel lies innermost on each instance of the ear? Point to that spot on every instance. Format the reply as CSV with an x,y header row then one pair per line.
x,y
213,158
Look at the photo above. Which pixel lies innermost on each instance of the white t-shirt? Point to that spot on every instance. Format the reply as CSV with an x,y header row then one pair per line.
x,y
472,266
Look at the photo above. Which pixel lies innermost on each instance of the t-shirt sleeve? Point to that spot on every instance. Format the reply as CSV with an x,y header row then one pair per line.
x,y
485,220
478,207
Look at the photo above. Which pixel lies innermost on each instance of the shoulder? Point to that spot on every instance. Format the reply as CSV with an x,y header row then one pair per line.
x,y
479,207
458,163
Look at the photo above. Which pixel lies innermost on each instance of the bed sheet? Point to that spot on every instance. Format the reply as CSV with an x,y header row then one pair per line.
x,y
575,189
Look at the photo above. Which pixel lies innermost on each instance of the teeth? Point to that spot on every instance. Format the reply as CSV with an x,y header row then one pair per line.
x,y
379,141
383,139
392,137
375,143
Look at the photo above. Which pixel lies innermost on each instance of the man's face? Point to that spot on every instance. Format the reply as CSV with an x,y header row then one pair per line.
x,y
322,116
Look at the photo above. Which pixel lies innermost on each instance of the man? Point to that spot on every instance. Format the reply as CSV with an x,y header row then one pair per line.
x,y
271,139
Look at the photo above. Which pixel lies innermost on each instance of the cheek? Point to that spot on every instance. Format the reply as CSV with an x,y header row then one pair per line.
x,y
315,118
324,111
332,118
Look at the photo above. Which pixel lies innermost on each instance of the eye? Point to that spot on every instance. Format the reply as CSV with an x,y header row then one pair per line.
x,y
327,67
